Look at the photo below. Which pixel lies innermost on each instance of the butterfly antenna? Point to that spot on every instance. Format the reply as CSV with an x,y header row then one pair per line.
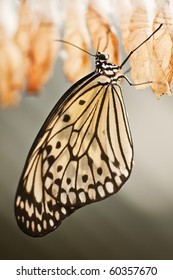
x,y
107,39
98,44
125,60
71,44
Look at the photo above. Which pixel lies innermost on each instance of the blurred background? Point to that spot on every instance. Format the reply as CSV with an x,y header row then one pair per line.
x,y
136,223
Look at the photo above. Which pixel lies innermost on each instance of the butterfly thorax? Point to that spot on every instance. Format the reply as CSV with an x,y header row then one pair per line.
x,y
104,67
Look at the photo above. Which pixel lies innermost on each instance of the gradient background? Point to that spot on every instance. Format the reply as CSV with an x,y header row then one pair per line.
x,y
136,223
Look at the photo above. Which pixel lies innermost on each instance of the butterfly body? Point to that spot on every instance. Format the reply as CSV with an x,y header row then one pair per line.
x,y
82,154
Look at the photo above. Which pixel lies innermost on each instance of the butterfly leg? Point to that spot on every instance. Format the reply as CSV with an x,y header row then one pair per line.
x,y
132,84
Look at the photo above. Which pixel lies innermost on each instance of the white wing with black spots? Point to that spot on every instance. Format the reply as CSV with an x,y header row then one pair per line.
x,y
82,154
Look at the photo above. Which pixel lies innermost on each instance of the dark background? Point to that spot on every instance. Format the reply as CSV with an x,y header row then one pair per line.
x,y
136,223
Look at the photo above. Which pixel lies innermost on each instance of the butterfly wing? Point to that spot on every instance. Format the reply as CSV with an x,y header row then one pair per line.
x,y
82,154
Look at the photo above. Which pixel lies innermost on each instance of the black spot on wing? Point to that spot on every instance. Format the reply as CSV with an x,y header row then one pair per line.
x,y
99,171
58,145
51,160
68,181
66,118
81,102
59,168
85,178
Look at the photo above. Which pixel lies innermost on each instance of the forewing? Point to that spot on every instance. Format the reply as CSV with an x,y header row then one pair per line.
x,y
82,154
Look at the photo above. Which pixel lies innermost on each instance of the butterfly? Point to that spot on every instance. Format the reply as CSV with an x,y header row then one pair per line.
x,y
82,154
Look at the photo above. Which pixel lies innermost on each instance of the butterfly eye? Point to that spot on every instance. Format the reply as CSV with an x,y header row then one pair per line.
x,y
102,56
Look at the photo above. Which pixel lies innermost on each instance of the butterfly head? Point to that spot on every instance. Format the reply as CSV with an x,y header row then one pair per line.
x,y
104,67
102,57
